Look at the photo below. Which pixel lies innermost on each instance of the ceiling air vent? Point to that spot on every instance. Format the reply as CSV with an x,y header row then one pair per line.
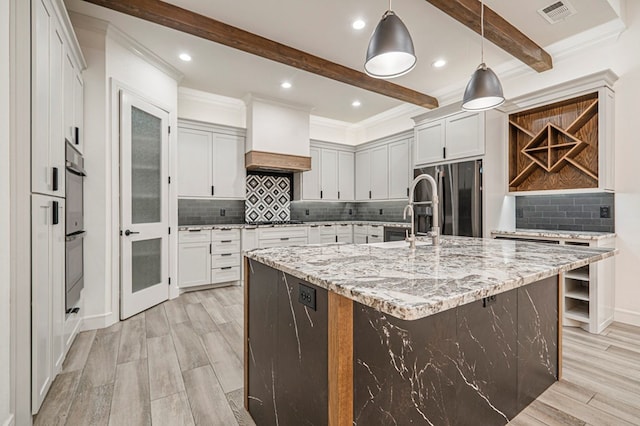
x,y
558,11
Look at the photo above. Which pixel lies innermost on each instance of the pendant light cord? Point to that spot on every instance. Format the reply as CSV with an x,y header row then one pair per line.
x,y
481,30
389,4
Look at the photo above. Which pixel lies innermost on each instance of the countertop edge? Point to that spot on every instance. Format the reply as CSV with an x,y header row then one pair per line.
x,y
549,233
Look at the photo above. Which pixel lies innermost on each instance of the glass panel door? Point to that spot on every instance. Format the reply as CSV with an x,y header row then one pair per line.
x,y
144,205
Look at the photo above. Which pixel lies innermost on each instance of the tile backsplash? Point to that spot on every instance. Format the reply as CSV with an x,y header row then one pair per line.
x,y
210,212
319,211
571,212
268,198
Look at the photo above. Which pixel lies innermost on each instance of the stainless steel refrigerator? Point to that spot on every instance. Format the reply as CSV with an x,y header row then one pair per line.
x,y
460,192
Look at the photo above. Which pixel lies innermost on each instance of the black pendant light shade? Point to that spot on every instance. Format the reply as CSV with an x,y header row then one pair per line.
x,y
390,53
483,91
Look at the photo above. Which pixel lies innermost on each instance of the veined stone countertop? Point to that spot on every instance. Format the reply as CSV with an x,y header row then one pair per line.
x,y
249,226
410,286
555,234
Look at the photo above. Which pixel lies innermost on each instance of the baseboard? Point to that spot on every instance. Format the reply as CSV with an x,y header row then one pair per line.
x,y
628,317
95,322
10,421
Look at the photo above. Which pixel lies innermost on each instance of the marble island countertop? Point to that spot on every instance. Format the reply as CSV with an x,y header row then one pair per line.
x,y
252,226
410,286
555,234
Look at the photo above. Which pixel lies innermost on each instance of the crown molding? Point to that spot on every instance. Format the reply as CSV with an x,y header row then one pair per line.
x,y
250,98
234,104
69,34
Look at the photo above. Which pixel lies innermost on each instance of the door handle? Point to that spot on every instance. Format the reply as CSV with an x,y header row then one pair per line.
x,y
54,185
127,232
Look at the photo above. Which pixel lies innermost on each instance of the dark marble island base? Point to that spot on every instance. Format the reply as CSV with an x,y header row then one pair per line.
x,y
346,363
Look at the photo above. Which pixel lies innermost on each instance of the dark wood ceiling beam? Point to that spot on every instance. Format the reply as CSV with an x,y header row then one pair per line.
x,y
201,26
498,31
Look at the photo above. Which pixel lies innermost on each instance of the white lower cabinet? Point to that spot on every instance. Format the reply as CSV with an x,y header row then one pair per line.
x,y
365,234
47,294
194,264
375,233
225,249
314,234
344,233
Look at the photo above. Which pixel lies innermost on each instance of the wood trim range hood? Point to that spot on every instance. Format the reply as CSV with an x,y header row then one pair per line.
x,y
277,136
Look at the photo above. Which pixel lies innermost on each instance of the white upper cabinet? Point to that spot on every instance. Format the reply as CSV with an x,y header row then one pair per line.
x,y
464,135
346,175
380,173
210,163
455,137
78,113
195,151
69,88
363,175
399,169
331,175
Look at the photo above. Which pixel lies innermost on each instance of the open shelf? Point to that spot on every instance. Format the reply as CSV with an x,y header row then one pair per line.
x,y
581,274
579,311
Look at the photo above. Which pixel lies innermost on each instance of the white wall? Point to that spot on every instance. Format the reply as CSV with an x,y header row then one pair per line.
x,y
5,275
622,57
110,67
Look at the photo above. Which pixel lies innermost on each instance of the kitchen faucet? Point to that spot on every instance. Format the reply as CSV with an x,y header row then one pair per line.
x,y
435,229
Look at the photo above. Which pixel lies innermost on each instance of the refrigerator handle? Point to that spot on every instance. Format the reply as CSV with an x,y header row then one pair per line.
x,y
476,200
443,197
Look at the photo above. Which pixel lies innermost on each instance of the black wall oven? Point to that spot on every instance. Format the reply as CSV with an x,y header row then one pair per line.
x,y
74,263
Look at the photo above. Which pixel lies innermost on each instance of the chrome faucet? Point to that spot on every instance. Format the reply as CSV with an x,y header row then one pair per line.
x,y
435,229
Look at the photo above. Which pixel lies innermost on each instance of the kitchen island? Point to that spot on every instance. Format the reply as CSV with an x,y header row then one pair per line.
x,y
462,333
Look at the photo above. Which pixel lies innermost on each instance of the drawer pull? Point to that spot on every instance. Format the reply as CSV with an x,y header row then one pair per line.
x,y
328,225
195,230
226,254
226,267
374,236
284,239
225,241
225,229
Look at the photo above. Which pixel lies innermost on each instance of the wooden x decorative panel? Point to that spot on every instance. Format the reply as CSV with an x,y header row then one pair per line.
x,y
555,146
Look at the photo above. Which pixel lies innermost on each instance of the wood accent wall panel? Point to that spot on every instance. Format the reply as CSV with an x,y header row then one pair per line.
x,y
555,146
340,360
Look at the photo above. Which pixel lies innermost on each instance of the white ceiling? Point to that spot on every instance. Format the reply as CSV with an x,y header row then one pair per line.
x,y
323,28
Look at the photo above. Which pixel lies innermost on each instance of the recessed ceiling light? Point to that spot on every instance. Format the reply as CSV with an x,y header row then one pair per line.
x,y
358,24
185,57
356,104
285,85
439,63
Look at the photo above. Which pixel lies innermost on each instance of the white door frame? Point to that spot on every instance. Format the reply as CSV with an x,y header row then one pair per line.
x,y
112,307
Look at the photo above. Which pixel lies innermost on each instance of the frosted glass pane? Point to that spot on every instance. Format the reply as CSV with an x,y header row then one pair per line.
x,y
146,161
146,263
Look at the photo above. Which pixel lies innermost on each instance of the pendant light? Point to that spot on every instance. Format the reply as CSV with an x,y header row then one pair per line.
x,y
390,53
484,90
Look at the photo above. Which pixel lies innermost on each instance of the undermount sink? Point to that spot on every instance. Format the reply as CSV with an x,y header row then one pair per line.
x,y
399,244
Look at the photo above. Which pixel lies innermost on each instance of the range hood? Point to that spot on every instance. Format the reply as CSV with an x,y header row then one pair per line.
x,y
277,136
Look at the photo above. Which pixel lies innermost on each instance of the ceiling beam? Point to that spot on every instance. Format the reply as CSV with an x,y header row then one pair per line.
x,y
497,30
201,26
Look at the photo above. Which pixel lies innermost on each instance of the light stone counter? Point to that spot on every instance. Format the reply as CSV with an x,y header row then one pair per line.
x,y
253,226
554,234
409,286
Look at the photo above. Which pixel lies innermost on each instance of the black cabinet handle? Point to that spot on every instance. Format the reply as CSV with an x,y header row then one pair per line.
x,y
444,152
226,267
321,194
76,135
336,238
195,230
225,241
407,192
338,195
367,239
369,194
225,254
210,248
54,185
213,190
56,215
284,239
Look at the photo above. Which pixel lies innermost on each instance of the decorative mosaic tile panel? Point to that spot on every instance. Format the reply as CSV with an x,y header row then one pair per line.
x,y
268,198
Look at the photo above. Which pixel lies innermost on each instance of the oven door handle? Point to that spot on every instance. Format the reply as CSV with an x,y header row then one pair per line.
x,y
75,169
75,236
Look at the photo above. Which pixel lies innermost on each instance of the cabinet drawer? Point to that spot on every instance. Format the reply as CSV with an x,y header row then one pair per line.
x,y
195,236
284,232
376,238
360,229
225,247
225,234
225,259
327,230
344,229
283,242
225,274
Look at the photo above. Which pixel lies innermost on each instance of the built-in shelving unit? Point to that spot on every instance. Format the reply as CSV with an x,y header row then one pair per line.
x,y
587,292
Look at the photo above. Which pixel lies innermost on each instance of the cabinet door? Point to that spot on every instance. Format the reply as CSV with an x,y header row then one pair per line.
x,y
58,289
228,166
314,234
380,173
41,299
56,101
69,97
464,135
429,143
194,163
41,172
399,169
359,239
194,264
311,178
328,174
363,175
78,113
346,176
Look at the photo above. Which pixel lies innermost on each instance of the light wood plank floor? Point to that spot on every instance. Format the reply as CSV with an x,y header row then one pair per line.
x,y
180,363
